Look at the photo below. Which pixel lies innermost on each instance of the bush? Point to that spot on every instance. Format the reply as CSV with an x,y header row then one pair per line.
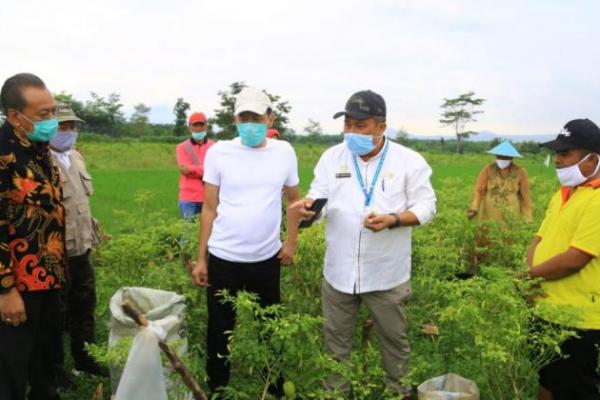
x,y
484,323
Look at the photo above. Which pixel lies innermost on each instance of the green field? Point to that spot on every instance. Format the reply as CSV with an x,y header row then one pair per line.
x,y
483,322
133,180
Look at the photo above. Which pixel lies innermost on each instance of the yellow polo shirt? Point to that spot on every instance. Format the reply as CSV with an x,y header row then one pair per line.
x,y
573,223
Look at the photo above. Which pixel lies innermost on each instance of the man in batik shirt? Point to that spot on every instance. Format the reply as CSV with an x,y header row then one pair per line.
x,y
32,244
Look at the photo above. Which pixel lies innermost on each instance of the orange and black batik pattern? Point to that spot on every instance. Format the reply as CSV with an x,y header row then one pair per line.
x,y
32,242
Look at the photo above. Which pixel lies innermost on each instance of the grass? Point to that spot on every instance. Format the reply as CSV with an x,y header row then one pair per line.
x,y
136,185
132,179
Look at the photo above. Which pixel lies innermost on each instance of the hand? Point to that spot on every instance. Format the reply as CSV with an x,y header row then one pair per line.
x,y
378,222
529,260
522,275
286,254
529,288
471,214
200,274
185,170
301,209
12,308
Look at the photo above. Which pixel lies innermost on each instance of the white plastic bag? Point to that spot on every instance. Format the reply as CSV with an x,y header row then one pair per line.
x,y
162,309
448,387
143,377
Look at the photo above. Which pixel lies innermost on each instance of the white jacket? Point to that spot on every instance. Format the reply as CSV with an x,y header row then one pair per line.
x,y
359,260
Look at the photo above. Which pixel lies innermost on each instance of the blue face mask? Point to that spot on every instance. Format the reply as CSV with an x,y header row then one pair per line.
x,y
43,131
63,141
358,144
198,136
251,133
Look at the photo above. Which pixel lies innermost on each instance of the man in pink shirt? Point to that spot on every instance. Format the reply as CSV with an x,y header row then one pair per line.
x,y
190,158
273,133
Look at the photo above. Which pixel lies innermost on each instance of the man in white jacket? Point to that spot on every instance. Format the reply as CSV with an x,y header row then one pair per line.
x,y
377,190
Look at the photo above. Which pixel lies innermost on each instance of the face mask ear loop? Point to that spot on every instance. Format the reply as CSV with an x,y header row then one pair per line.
x,y
28,120
597,164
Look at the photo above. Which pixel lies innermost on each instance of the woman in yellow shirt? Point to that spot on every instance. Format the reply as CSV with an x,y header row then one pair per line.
x,y
502,189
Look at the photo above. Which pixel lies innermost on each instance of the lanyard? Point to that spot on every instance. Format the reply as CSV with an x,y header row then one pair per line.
x,y
361,181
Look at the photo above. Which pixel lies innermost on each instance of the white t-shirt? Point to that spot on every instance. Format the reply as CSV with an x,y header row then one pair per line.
x,y
250,181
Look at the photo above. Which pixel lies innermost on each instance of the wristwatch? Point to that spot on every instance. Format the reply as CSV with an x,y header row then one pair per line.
x,y
396,223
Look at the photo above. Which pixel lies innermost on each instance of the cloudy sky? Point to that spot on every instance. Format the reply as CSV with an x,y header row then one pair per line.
x,y
536,62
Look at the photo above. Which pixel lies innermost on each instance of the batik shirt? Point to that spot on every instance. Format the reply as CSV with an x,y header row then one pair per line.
x,y
32,244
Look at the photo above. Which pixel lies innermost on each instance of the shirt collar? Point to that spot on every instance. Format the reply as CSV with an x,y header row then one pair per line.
x,y
64,158
61,153
595,184
567,192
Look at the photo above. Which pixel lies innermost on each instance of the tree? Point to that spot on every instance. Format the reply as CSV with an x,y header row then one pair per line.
x,y
113,109
224,120
402,136
67,98
139,119
101,114
180,110
313,128
140,114
458,112
530,146
495,142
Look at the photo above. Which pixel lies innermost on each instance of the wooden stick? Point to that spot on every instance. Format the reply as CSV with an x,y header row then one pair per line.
x,y
133,311
99,393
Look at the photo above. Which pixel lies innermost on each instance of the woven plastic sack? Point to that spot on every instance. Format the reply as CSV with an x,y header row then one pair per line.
x,y
448,387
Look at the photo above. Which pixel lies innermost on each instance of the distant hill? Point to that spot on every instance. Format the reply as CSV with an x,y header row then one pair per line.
x,y
486,136
483,136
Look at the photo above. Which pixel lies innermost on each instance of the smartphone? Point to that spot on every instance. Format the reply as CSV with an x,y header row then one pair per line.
x,y
316,207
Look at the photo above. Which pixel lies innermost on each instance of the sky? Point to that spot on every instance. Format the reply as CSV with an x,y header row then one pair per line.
x,y
536,62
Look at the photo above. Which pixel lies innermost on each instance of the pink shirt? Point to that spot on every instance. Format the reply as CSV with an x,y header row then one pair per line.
x,y
191,187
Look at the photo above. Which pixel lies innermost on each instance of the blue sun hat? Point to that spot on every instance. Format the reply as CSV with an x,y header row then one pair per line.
x,y
505,149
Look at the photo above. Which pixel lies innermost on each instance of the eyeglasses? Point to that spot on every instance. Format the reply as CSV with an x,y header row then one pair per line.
x,y
199,124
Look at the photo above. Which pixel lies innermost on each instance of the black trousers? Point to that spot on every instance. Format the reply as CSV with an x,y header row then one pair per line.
x,y
28,352
576,376
78,298
261,278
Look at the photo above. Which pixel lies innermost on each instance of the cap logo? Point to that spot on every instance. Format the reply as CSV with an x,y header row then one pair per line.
x,y
360,102
565,132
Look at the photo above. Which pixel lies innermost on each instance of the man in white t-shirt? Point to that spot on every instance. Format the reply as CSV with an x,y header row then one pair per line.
x,y
240,247
377,190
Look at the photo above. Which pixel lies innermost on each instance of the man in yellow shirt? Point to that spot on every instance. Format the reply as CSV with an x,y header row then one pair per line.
x,y
565,254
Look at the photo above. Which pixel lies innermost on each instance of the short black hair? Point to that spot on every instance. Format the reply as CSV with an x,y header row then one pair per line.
x,y
11,95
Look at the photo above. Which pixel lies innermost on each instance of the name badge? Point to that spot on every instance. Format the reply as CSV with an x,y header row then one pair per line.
x,y
343,175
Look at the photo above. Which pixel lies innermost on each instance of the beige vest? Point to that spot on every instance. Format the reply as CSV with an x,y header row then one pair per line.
x,y
77,188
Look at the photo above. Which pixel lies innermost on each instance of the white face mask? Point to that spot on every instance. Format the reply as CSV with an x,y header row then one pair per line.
x,y
503,164
572,176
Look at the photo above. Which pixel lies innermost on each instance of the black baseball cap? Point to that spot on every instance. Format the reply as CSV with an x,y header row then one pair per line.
x,y
364,104
576,134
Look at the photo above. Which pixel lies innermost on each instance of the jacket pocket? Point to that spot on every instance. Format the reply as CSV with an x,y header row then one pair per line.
x,y
86,180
